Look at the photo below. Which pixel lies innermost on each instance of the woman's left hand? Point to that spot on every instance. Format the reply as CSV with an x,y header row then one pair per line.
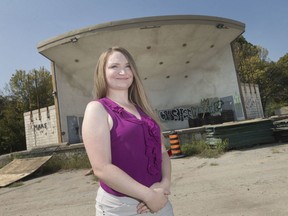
x,y
165,185
142,207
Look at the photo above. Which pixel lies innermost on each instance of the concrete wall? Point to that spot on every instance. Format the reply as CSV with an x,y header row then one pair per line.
x,y
73,95
40,127
215,78
252,101
282,111
178,70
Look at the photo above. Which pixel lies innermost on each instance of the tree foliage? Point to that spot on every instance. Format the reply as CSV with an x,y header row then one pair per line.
x,y
12,131
33,89
254,67
26,92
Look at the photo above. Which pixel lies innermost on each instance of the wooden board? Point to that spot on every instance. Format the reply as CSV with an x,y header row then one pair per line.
x,y
20,168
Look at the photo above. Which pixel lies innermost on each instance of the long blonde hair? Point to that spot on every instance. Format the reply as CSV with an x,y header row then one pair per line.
x,y
136,91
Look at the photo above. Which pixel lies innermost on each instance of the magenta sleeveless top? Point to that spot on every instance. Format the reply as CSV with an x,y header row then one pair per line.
x,y
135,145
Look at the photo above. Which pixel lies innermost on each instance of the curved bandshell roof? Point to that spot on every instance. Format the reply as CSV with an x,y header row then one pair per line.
x,y
161,46
181,60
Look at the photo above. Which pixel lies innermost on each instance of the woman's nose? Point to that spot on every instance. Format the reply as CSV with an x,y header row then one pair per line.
x,y
122,71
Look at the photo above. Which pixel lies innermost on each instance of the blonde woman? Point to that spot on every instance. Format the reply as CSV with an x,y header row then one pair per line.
x,y
123,142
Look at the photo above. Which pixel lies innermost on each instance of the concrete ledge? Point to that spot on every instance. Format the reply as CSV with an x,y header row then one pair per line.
x,y
54,149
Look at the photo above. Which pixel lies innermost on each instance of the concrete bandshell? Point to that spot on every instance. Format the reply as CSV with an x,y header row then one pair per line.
x,y
181,60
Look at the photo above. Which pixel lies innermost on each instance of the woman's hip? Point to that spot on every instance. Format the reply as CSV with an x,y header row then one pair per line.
x,y
110,205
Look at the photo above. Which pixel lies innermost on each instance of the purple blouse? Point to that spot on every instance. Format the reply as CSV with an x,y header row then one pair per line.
x,y
135,145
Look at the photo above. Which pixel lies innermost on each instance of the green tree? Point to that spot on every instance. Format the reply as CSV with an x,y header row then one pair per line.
x,y
33,90
26,92
253,66
279,74
245,55
3,146
270,86
12,131
250,60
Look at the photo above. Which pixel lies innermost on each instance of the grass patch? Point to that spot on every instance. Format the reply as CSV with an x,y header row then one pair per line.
x,y
202,149
60,162
5,161
16,184
94,178
275,151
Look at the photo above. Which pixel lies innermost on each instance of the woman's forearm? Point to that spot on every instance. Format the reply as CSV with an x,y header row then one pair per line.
x,y
120,181
166,169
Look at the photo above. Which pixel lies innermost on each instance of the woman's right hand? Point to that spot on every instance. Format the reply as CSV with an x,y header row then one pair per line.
x,y
156,200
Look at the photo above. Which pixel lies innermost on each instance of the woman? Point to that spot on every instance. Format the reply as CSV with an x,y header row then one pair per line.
x,y
123,142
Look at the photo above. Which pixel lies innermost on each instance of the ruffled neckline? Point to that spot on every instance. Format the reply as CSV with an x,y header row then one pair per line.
x,y
151,134
124,113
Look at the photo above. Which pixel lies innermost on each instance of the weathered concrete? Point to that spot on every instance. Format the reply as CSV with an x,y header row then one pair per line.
x,y
182,60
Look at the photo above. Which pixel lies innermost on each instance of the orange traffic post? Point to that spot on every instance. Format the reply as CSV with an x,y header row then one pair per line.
x,y
175,145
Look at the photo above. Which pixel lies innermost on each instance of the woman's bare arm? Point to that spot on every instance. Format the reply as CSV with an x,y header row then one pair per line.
x,y
96,137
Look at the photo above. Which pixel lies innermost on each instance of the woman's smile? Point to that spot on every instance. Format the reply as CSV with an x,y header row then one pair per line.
x,y
119,75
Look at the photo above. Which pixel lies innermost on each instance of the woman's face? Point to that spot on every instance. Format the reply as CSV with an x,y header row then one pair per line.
x,y
119,75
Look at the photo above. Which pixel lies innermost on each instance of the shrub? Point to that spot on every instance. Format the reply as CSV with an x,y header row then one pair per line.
x,y
202,149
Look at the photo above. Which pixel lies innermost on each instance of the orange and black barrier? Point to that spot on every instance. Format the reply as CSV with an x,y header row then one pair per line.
x,y
175,145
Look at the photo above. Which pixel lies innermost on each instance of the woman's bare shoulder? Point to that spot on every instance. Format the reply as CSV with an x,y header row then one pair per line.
x,y
95,108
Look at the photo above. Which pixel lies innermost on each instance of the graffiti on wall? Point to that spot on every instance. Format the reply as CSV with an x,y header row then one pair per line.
x,y
177,114
209,105
40,126
252,101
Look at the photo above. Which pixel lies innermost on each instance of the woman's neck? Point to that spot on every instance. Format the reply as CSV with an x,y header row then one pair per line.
x,y
120,97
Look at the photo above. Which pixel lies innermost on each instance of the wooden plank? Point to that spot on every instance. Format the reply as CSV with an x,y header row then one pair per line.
x,y
20,168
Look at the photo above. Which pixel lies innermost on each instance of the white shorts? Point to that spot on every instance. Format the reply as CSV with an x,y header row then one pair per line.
x,y
110,205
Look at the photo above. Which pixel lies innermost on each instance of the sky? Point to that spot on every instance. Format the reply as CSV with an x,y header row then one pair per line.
x,y
25,23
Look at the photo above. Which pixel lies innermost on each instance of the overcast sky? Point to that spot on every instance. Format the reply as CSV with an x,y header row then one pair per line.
x,y
25,23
